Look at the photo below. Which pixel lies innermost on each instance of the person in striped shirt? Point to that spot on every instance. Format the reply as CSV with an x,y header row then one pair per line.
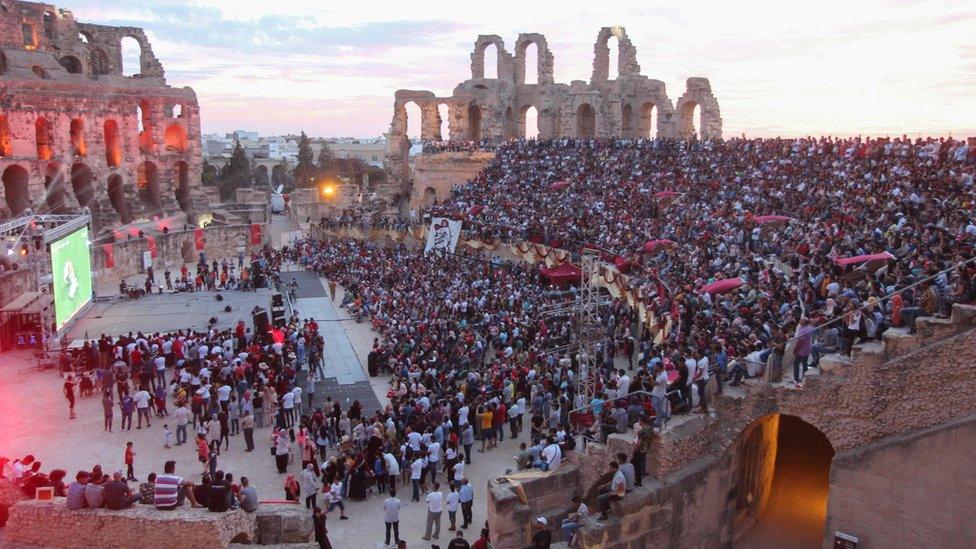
x,y
171,489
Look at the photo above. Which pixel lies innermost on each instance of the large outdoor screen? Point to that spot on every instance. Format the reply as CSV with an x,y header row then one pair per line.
x,y
71,271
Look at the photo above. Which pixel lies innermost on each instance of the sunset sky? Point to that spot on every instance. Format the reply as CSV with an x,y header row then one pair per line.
x,y
777,68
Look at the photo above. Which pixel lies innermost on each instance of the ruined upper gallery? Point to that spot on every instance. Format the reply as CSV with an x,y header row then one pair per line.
x,y
78,128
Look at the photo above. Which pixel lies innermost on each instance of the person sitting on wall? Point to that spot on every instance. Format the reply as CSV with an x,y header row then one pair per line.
x,y
614,491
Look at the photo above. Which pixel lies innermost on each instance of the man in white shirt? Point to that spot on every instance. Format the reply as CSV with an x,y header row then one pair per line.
x,y
572,523
433,458
335,499
288,405
615,492
552,456
141,398
391,516
435,508
623,387
416,471
453,501
392,469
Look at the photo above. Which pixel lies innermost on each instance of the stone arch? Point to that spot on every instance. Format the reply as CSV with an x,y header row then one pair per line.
x,y
71,64
175,138
147,185
783,476
474,122
511,128
113,145
277,174
413,116
116,196
649,116
100,64
698,93
16,188
77,133
44,139
444,121
626,62
529,122
48,24
144,120
544,59
182,185
83,184
585,121
6,148
131,51
176,110
54,188
430,196
261,176
626,120
478,56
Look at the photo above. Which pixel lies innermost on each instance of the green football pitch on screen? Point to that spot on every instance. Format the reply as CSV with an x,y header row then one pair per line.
x,y
71,270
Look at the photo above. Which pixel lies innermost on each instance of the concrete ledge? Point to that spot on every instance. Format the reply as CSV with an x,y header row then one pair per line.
x,y
53,525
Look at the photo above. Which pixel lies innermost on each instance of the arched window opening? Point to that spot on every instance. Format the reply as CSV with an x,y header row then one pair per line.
x,y
147,185
131,57
261,177
84,38
413,120
648,127
15,187
530,122
531,63
43,138
176,111
585,121
71,64
175,138
6,148
430,196
49,25
27,30
183,185
627,120
474,123
445,113
116,195
40,72
696,121
614,58
113,145
144,124
82,183
491,61
77,132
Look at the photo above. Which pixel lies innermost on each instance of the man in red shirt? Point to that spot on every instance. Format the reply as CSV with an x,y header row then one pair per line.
x,y
482,542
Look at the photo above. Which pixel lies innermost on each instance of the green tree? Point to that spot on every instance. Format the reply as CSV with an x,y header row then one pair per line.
x,y
236,174
325,160
208,174
305,169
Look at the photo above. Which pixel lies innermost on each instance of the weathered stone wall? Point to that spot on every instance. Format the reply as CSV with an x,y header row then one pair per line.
x,y
435,175
510,520
53,525
13,284
76,132
173,250
914,490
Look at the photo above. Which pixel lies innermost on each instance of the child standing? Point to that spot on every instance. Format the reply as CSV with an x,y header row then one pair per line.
x,y
130,455
167,436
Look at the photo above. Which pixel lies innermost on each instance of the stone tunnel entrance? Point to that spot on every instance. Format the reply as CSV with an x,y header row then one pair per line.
x,y
784,480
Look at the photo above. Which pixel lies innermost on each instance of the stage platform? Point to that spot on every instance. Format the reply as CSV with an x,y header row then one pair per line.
x,y
168,312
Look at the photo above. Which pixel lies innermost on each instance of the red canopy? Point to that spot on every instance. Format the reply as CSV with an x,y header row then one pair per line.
x,y
652,246
845,261
476,209
563,274
721,286
623,264
772,219
558,185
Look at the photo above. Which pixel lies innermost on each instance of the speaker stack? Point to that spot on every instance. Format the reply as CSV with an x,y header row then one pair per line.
x,y
277,309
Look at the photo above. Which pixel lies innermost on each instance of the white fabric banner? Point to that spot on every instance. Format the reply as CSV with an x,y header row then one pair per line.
x,y
443,235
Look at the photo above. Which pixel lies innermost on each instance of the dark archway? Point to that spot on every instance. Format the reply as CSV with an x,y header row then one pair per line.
x,y
430,196
54,188
627,121
99,62
784,483
585,121
71,64
116,196
278,175
83,184
474,123
147,185
16,181
183,186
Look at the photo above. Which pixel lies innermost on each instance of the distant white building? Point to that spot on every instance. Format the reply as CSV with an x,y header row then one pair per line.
x,y
370,151
280,148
